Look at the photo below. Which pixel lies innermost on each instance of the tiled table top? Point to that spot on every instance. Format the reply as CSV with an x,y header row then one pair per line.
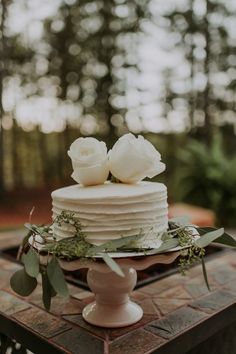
x,y
179,312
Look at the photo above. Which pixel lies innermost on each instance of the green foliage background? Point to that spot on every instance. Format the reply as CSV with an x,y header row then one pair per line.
x,y
87,58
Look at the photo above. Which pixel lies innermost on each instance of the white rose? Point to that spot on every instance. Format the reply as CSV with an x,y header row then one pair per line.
x,y
89,161
132,159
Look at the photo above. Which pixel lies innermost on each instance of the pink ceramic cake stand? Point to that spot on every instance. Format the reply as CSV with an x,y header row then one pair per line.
x,y
112,307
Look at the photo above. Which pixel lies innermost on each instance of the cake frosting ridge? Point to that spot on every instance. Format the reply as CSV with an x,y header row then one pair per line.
x,y
113,210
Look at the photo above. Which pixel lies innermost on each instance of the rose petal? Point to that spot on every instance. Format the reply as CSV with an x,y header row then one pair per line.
x,y
132,159
89,161
157,170
92,175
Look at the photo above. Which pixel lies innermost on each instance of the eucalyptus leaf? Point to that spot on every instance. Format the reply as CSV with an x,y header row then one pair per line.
x,y
209,237
23,245
48,291
22,283
114,244
112,265
168,244
225,239
31,263
204,271
180,220
56,277
26,239
29,226
40,230
206,229
33,228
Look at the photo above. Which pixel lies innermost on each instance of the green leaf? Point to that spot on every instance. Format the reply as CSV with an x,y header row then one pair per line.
x,y
22,283
204,271
33,228
114,244
225,239
204,230
40,230
28,226
168,244
180,220
48,291
26,239
56,277
31,262
112,265
209,237
24,245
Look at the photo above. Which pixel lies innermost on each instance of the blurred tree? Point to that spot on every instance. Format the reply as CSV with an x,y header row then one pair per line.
x,y
89,55
15,62
207,178
88,59
208,45
3,10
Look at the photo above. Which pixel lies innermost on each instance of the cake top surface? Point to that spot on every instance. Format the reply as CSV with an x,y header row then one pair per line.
x,y
108,190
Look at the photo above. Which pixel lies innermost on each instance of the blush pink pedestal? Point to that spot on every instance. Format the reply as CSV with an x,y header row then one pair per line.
x,y
112,307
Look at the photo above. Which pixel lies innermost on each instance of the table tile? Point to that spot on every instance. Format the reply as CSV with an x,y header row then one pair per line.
x,y
231,286
78,320
175,323
59,305
119,332
136,342
214,302
42,322
4,277
175,292
10,304
168,305
197,290
224,276
78,341
148,307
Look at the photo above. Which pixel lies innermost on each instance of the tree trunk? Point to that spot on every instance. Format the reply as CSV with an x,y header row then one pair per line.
x,y
2,75
206,98
16,152
192,98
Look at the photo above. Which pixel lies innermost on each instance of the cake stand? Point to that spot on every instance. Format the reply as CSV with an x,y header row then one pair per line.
x,y
112,307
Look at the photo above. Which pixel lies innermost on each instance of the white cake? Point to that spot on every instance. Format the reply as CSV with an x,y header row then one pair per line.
x,y
113,210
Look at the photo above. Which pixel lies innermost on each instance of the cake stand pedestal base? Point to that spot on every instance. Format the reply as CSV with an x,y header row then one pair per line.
x,y
112,307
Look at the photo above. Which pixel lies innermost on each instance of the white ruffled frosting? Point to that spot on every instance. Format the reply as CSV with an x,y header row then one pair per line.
x,y
114,210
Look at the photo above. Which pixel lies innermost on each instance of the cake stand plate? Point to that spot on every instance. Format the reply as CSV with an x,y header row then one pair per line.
x,y
112,307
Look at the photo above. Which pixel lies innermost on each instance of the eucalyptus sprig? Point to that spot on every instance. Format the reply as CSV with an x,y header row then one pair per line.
x,y
67,217
180,234
69,248
190,253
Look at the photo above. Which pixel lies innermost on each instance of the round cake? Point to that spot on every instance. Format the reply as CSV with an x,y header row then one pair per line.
x,y
113,210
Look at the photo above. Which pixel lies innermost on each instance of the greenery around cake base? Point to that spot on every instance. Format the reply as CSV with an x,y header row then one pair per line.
x,y
180,233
